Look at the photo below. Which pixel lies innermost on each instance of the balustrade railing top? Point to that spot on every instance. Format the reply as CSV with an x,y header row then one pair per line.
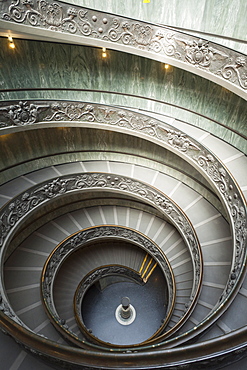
x,y
110,233
179,142
71,23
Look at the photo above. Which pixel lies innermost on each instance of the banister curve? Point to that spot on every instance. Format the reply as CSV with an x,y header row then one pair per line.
x,y
79,25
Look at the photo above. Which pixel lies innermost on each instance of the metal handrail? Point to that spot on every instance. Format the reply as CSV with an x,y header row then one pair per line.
x,y
215,172
76,24
82,239
220,350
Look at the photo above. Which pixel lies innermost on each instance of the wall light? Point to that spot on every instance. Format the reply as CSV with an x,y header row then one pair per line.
x,y
11,42
166,66
104,55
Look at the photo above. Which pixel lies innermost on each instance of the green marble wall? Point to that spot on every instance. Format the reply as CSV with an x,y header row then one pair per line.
x,y
34,65
218,17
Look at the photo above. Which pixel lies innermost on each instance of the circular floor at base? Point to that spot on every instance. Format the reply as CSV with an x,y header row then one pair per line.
x,y
149,300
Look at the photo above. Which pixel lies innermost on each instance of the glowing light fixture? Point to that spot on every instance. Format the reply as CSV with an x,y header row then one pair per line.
x,y
104,55
166,66
11,42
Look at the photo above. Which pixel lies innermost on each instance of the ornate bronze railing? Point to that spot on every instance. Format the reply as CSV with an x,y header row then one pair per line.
x,y
213,170
43,112
110,233
76,24
50,112
23,205
115,271
212,353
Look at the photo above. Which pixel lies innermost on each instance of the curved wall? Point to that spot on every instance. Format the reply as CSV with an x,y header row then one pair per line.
x,y
130,81
224,18
43,70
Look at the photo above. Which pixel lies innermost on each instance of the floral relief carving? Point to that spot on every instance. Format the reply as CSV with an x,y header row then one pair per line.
x,y
200,52
216,172
27,202
71,112
27,113
22,114
130,33
180,141
121,118
236,71
238,213
62,17
15,211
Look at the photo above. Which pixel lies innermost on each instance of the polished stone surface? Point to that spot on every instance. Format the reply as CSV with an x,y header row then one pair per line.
x,y
180,94
222,18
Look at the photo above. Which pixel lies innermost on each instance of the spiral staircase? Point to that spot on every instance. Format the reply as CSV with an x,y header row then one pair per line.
x,y
120,178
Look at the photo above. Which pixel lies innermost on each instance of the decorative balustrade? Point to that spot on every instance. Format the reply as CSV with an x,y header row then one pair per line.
x,y
24,204
212,353
14,113
72,23
34,112
110,233
215,172
210,60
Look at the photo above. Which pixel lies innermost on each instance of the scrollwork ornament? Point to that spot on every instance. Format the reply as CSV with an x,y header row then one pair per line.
x,y
217,174
74,111
20,11
235,70
54,188
61,17
223,182
15,211
71,112
119,32
163,41
200,53
85,180
23,113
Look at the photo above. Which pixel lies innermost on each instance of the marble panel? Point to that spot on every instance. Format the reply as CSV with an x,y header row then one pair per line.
x,y
222,17
38,65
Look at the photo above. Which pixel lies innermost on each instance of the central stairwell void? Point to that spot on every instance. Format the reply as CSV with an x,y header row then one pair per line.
x,y
102,309
103,247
